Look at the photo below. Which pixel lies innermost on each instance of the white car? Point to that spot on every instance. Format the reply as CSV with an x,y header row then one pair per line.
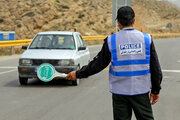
x,y
66,51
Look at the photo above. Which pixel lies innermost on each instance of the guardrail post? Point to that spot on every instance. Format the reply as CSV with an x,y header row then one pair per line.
x,y
12,50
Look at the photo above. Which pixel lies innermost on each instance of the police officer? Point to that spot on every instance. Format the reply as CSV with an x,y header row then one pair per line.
x,y
134,74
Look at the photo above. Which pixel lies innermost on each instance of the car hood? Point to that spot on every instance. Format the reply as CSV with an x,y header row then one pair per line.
x,y
48,54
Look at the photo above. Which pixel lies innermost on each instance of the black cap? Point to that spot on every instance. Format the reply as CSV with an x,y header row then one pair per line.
x,y
125,13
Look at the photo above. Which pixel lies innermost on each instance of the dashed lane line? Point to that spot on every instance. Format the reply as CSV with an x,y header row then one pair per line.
x,y
173,71
8,71
7,67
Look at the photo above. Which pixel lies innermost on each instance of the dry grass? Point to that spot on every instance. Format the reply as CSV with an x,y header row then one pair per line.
x,y
6,51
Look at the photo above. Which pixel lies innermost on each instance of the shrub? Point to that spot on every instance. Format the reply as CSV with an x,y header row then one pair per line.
x,y
65,6
57,1
1,20
56,17
19,25
94,29
77,21
90,23
81,15
30,14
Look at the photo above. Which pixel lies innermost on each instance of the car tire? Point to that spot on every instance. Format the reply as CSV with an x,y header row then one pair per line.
x,y
75,82
23,81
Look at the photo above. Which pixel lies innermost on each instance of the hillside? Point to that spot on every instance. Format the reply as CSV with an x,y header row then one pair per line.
x,y
156,15
176,2
90,17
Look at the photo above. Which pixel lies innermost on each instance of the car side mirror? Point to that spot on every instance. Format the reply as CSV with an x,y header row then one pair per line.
x,y
82,48
24,47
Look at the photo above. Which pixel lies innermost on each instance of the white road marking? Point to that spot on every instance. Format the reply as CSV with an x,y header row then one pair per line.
x,y
178,61
7,67
7,71
174,71
165,77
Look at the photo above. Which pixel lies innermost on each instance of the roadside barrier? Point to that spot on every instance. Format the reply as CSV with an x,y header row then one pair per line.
x,y
14,43
86,38
94,37
166,35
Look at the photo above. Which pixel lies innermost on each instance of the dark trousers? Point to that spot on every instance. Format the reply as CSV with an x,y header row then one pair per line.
x,y
123,106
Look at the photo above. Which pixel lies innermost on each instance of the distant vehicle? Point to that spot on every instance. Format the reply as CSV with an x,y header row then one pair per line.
x,y
66,51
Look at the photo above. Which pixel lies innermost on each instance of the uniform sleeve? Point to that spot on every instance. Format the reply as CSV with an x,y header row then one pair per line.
x,y
156,73
100,61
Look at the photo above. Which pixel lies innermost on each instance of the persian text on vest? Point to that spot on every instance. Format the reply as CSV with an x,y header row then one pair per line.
x,y
126,49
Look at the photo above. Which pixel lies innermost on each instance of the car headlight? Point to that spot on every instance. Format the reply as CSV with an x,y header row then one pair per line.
x,y
25,62
65,62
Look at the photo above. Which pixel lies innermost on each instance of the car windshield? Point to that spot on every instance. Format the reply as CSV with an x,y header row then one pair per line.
x,y
53,42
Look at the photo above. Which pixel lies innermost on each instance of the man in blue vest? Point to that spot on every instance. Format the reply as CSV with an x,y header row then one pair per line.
x,y
134,74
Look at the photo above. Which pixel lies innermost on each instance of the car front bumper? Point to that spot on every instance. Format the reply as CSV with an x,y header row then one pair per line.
x,y
31,71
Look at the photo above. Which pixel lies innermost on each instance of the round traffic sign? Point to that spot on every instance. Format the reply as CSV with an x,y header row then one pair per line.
x,y
45,72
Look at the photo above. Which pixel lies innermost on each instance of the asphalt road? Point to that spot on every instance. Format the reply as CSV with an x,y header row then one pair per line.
x,y
91,100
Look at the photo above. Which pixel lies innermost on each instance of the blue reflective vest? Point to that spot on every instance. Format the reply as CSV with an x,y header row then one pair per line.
x,y
129,72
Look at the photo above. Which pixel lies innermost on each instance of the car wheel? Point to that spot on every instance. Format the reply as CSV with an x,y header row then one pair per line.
x,y
75,82
23,81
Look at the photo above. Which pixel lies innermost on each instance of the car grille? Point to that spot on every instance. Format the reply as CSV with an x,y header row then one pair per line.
x,y
39,62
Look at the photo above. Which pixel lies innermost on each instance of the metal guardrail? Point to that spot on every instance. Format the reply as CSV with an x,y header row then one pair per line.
x,y
86,38
94,37
166,35
14,43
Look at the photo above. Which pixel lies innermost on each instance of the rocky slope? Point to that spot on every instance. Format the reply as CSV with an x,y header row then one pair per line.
x,y
90,17
156,15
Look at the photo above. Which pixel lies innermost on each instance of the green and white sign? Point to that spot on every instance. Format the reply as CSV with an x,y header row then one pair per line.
x,y
46,72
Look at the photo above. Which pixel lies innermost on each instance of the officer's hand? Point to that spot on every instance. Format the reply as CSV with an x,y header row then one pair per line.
x,y
71,75
154,98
